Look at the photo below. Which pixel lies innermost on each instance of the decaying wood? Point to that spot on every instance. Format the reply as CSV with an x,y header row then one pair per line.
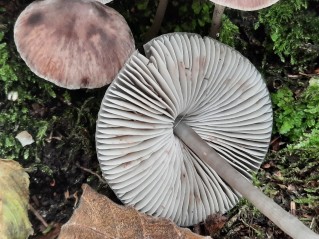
x,y
98,217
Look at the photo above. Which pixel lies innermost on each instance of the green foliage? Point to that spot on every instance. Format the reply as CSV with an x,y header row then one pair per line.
x,y
181,16
202,13
15,115
15,119
7,74
194,17
299,169
143,5
229,33
297,117
293,27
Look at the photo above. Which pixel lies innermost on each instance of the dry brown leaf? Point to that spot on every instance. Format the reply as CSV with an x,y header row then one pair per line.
x,y
214,223
293,208
97,217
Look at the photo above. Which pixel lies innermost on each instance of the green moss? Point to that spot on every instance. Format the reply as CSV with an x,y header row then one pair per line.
x,y
15,115
229,32
292,28
298,169
7,73
297,116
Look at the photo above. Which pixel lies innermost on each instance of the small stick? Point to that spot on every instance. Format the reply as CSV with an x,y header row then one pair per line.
x,y
91,172
293,208
308,75
312,224
160,12
38,216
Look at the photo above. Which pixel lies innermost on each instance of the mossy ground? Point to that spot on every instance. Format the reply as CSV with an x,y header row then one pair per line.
x,y
62,122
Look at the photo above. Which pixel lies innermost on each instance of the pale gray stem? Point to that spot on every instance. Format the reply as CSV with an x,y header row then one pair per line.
x,y
284,220
160,12
216,21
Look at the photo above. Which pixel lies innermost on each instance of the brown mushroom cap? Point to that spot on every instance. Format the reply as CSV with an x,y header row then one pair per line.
x,y
245,5
73,43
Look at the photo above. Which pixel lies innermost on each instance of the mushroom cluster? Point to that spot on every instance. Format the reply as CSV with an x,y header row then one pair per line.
x,y
198,81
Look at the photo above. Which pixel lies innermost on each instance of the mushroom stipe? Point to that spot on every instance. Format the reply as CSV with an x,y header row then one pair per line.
x,y
187,80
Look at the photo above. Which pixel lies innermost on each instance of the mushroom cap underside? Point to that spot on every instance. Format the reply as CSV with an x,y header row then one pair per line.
x,y
209,86
73,43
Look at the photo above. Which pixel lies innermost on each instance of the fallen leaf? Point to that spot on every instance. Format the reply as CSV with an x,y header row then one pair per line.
x,y
97,217
24,138
275,144
214,223
282,186
278,175
14,198
291,188
266,165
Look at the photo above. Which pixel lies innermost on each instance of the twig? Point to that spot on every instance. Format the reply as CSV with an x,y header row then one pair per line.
x,y
293,208
308,75
160,12
38,216
250,226
312,224
91,172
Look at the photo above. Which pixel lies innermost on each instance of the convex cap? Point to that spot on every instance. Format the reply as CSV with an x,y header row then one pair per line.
x,y
245,5
73,43
207,85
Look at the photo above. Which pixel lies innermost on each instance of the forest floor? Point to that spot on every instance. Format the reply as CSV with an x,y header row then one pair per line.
x,y
63,155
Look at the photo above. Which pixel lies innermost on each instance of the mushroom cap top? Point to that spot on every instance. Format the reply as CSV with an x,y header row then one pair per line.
x,y
245,5
73,43
203,83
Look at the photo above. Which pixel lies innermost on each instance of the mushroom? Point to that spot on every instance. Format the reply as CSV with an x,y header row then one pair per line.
x,y
187,80
73,43
104,1
244,5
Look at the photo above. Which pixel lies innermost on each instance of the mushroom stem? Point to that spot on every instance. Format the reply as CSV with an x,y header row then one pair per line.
x,y
216,21
284,220
160,12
